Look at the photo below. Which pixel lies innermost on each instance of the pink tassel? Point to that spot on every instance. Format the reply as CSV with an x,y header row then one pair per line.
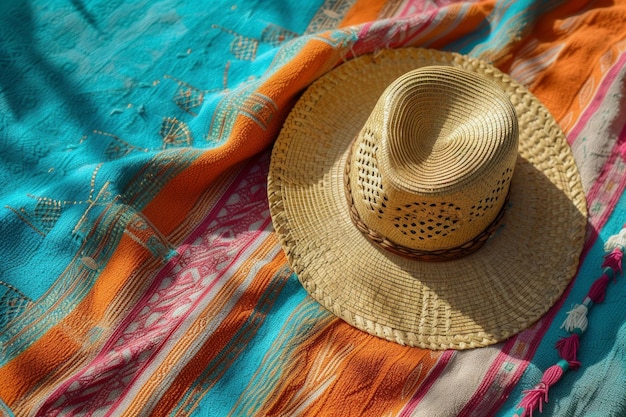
x,y
534,398
576,323
598,289
614,261
568,349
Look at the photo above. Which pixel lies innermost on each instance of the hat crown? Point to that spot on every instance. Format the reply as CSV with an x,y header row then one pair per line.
x,y
432,166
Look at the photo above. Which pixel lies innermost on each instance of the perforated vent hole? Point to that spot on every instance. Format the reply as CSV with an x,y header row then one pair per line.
x,y
369,180
483,205
421,220
486,204
505,179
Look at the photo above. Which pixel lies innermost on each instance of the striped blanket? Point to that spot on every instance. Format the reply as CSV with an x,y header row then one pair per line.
x,y
139,271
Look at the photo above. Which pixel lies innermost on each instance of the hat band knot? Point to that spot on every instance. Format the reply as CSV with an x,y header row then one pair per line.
x,y
439,255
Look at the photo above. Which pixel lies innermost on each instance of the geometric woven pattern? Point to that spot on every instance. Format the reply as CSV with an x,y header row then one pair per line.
x,y
140,273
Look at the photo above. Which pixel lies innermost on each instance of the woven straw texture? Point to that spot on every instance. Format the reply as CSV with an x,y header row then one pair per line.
x,y
473,301
431,168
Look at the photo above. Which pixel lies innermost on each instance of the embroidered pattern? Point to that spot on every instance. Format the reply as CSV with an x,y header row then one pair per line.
x,y
329,15
175,133
118,148
188,97
12,303
242,47
276,35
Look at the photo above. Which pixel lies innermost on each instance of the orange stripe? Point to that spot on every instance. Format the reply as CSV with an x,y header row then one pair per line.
x,y
374,376
568,8
559,86
363,11
170,206
64,340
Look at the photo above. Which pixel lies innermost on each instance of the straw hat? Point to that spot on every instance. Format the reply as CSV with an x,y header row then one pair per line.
x,y
427,198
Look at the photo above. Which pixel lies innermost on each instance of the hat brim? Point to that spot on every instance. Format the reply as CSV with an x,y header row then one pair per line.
x,y
473,301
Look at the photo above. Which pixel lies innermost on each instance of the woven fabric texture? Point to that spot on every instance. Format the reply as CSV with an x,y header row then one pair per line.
x,y
140,274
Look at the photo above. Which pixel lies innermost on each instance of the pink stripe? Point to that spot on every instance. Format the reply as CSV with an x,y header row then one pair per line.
x,y
113,362
443,361
498,382
207,290
610,185
397,32
364,29
202,228
414,35
596,102
430,6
